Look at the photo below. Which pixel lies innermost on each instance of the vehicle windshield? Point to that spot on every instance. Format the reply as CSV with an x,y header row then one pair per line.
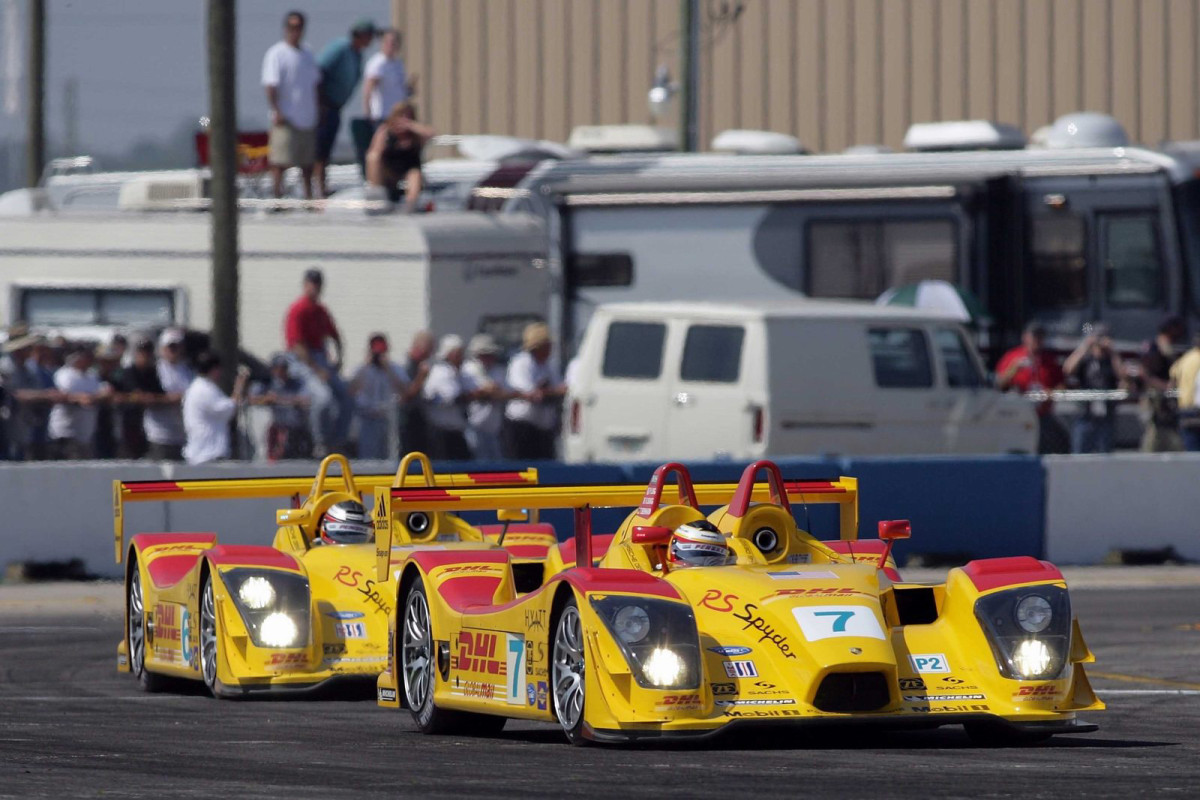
x,y
1188,195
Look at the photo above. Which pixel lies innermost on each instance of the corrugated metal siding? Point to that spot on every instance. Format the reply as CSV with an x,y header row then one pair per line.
x,y
833,72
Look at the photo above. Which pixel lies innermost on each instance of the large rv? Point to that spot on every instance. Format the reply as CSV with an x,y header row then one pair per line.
x,y
86,275
1060,236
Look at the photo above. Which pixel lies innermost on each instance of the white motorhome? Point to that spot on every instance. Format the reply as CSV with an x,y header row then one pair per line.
x,y
452,273
740,381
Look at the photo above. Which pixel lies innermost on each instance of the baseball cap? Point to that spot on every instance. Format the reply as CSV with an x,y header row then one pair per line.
x,y
170,336
482,344
364,25
378,344
448,344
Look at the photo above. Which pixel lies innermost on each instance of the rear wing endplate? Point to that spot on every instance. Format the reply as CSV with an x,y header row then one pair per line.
x,y
301,487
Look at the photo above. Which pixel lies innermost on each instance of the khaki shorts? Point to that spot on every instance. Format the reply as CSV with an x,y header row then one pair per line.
x,y
292,147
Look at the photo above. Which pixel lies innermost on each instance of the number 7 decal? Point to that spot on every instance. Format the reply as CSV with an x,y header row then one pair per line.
x,y
830,622
839,624
516,670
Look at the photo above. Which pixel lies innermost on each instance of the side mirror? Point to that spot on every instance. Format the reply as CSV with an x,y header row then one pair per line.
x,y
292,516
650,534
513,515
892,529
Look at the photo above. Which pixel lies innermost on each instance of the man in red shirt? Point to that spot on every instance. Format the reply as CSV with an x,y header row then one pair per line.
x,y
307,329
1029,368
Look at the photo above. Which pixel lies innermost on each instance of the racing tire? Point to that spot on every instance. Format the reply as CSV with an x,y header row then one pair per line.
x,y
135,635
210,640
996,734
568,672
417,663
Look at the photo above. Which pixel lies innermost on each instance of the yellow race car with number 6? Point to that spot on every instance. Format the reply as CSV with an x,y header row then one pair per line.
x,y
304,610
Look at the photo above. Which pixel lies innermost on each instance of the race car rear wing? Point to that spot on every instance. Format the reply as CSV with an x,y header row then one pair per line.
x,y
843,492
301,487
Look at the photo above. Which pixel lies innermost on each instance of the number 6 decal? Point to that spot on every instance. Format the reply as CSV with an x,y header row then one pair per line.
x,y
829,622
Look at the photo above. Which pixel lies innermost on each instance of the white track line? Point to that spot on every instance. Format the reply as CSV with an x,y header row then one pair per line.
x,y
1172,692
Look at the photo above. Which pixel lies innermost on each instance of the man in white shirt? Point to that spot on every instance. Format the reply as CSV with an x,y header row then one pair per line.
x,y
291,77
163,420
385,80
446,394
73,420
207,411
537,390
484,377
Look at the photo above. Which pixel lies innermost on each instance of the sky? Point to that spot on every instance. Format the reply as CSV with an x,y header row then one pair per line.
x,y
140,64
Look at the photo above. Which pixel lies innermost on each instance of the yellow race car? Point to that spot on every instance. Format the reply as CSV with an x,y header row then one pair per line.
x,y
684,624
307,608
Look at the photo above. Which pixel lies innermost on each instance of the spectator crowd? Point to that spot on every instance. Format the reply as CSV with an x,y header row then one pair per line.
x,y
1166,382
450,397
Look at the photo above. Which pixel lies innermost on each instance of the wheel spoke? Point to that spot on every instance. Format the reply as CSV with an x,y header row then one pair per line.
x,y
568,669
416,649
137,621
208,637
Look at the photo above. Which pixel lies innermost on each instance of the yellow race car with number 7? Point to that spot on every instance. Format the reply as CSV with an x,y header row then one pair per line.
x,y
685,624
304,610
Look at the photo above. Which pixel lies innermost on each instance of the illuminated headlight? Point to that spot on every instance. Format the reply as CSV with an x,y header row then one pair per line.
x,y
1029,631
273,604
256,593
663,668
1034,613
657,637
278,630
1032,658
631,624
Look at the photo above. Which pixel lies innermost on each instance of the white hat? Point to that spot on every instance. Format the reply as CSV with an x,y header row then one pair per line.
x,y
448,344
170,336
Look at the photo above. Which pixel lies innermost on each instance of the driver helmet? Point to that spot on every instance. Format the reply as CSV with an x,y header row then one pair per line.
x,y
698,544
345,523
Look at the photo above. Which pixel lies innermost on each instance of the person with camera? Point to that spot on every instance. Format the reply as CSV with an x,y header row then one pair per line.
x,y
1030,368
1094,365
207,411
377,387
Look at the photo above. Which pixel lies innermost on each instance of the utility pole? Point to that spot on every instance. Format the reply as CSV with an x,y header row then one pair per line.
x,y
222,149
689,27
35,131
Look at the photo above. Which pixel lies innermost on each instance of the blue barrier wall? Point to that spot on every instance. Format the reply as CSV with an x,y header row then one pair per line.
x,y
981,507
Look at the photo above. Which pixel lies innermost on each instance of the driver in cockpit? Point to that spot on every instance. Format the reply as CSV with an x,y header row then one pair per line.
x,y
699,544
346,522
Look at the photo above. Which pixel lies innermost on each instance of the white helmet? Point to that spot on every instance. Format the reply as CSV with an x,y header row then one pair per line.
x,y
345,523
698,544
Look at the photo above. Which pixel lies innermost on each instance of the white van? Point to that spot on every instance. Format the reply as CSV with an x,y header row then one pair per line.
x,y
742,380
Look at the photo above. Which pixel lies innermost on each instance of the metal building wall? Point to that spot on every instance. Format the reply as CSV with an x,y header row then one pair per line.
x,y
833,72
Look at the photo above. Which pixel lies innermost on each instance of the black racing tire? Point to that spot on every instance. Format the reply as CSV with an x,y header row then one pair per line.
x,y
568,672
416,661
135,634
210,639
999,734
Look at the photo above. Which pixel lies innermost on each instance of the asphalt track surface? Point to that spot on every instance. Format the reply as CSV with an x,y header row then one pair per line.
x,y
71,726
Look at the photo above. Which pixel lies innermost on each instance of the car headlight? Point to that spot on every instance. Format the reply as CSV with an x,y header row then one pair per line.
x,y
1029,630
278,630
657,637
273,604
631,624
1034,613
256,593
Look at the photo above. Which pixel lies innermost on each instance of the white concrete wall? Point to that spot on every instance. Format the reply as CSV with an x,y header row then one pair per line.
x,y
57,511
1095,504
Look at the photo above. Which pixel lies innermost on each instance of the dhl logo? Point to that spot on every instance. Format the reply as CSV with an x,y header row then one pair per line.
x,y
823,591
287,659
1043,692
471,569
681,700
477,653
166,621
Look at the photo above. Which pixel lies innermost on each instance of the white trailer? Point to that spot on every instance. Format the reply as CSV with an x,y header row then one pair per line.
x,y
452,273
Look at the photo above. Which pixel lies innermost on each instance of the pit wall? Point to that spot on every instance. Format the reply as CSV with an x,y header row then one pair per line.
x,y
1070,509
